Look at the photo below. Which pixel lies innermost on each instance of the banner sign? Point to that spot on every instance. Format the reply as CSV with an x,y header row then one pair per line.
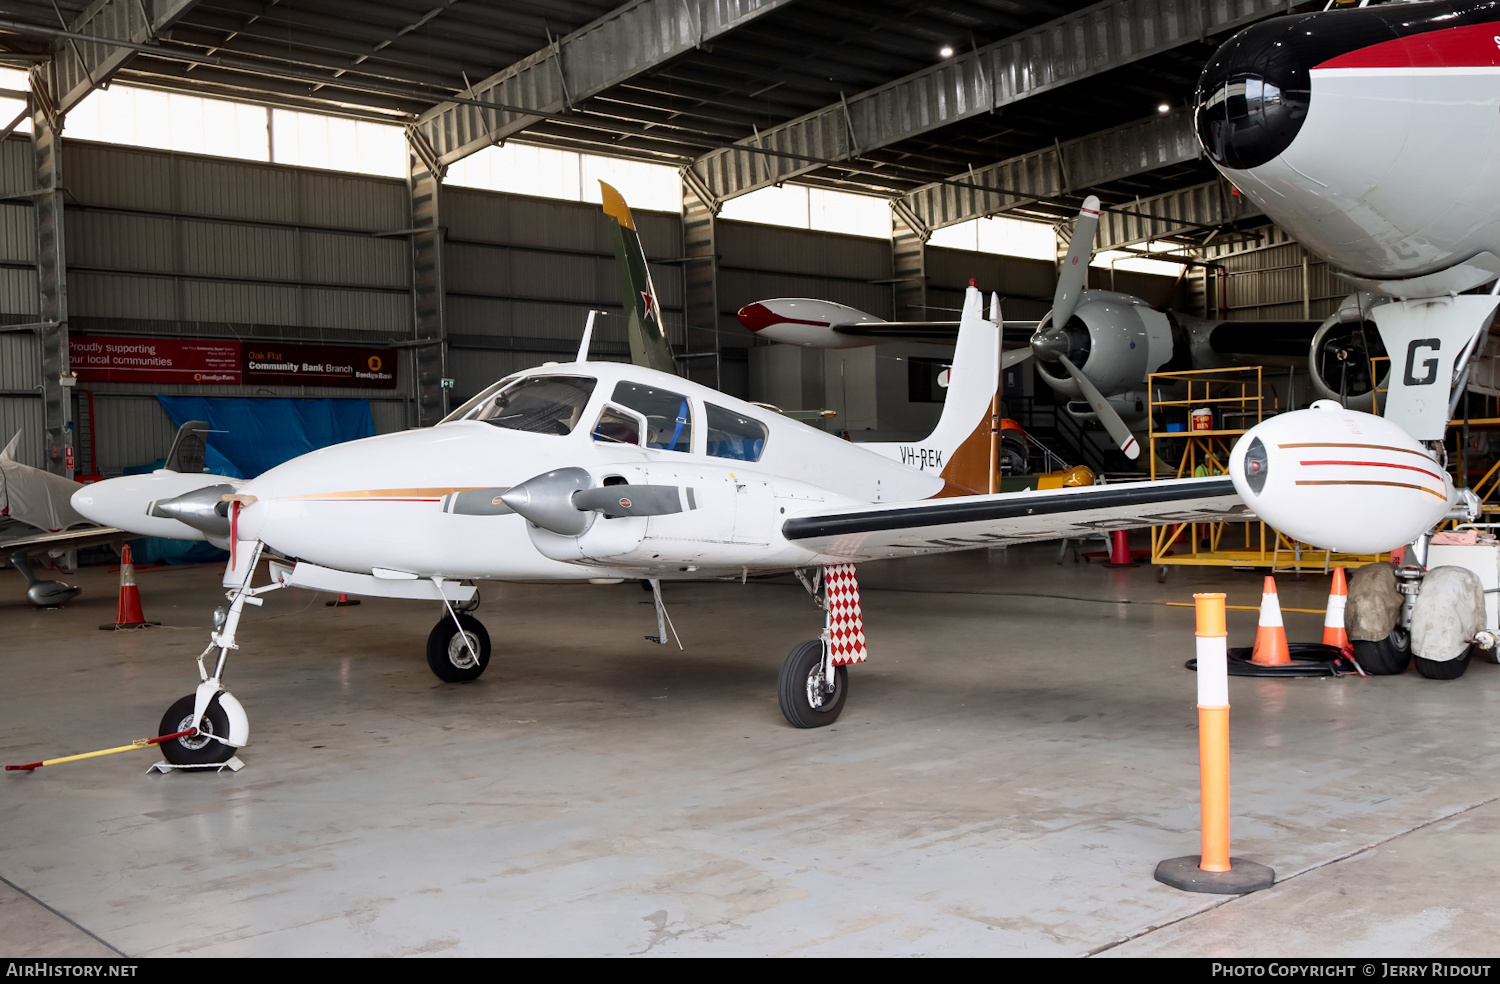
x,y
319,365
228,362
117,359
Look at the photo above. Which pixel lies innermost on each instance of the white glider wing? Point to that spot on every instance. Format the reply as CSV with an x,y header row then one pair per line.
x,y
904,529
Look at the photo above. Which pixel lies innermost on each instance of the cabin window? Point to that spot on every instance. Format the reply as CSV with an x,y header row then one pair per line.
x,y
540,404
669,419
616,427
732,435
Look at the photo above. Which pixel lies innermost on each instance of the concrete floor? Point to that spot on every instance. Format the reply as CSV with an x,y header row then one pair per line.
x,y
1016,757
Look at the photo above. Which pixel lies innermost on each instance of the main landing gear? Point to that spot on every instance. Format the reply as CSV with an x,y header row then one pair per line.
x,y
814,682
458,648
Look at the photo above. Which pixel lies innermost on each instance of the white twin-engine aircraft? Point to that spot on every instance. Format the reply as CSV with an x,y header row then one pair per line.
x,y
600,471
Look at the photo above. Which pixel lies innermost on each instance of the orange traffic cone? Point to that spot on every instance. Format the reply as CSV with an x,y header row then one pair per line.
x,y
1333,622
128,614
1119,550
1270,634
341,601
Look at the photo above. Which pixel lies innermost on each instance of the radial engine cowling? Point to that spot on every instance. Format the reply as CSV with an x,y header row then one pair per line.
x,y
1116,339
1340,479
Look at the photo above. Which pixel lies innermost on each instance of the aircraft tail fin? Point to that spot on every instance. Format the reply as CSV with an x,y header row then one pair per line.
x,y
958,449
648,338
188,448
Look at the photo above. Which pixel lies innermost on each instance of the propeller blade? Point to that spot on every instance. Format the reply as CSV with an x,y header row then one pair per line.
x,y
1015,356
1111,420
1076,264
631,500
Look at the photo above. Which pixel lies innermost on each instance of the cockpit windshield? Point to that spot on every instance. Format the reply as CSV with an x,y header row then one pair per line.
x,y
539,404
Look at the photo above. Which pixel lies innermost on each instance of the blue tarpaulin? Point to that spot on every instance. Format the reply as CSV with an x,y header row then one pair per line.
x,y
253,436
249,437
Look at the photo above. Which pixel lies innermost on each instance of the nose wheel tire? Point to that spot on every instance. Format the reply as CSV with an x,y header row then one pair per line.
x,y
803,692
452,654
202,748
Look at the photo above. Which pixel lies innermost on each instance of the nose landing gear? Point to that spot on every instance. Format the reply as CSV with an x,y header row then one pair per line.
x,y
220,721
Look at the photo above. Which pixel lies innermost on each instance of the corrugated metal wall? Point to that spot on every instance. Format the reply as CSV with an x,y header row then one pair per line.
x,y
161,243
1267,276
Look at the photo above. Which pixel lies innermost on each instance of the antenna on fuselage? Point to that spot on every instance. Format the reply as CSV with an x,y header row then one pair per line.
x,y
588,336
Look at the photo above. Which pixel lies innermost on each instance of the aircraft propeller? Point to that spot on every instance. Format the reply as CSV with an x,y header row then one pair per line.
x,y
561,500
1111,420
1054,339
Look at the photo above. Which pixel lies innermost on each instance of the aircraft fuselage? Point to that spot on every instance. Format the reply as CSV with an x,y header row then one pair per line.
x,y
1372,135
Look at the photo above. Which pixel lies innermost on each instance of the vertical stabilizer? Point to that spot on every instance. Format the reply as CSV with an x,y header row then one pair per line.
x,y
958,447
188,448
648,338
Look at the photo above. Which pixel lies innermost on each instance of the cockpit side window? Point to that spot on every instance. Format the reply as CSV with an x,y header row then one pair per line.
x,y
733,435
616,427
669,418
540,404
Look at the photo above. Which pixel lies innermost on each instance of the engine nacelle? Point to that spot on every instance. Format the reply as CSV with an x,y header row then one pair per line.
x,y
1339,360
727,518
1118,341
1340,479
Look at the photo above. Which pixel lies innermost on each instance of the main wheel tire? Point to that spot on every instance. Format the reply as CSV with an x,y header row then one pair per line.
x,y
200,749
448,651
1444,669
1385,657
804,701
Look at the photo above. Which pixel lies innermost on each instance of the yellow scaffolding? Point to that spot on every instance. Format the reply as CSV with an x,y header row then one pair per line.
x,y
1235,396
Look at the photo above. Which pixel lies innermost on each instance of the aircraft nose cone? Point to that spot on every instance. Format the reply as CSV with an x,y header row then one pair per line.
x,y
1253,95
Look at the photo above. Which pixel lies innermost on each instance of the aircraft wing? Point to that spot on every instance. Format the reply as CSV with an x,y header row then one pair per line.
x,y
928,331
905,529
19,538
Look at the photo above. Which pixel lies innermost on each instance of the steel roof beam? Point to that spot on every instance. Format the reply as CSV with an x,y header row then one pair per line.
x,y
1195,212
1055,172
1105,36
79,67
604,53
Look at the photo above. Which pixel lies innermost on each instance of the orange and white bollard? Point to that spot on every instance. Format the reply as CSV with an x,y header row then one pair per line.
x,y
1213,870
1334,633
128,614
1271,648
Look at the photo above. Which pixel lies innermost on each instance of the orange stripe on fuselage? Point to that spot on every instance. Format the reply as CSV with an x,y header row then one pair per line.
x,y
398,495
1394,485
